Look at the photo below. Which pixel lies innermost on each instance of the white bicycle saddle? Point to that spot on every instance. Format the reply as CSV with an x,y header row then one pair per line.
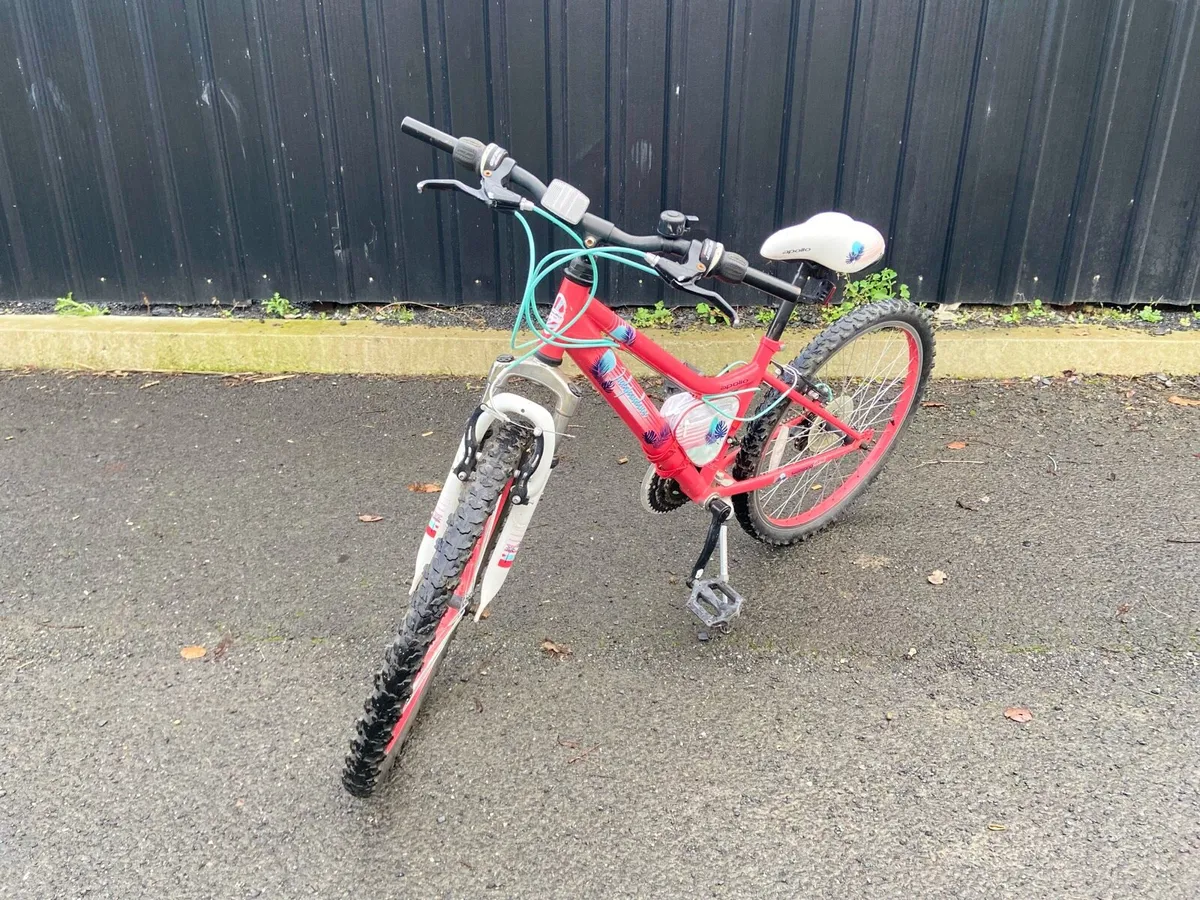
x,y
830,239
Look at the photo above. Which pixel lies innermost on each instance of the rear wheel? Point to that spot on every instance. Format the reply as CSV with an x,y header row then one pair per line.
x,y
871,366
433,615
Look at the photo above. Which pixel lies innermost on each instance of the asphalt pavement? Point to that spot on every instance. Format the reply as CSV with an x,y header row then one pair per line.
x,y
848,739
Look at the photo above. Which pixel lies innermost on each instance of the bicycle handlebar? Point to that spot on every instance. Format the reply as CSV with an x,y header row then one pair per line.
x,y
429,134
731,267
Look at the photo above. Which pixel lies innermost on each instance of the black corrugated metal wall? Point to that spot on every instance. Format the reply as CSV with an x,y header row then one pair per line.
x,y
177,151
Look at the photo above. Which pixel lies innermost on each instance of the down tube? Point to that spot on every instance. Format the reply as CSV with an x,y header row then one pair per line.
x,y
617,385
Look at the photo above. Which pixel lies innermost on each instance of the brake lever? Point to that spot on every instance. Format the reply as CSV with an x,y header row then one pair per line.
x,y
450,184
683,277
491,190
690,287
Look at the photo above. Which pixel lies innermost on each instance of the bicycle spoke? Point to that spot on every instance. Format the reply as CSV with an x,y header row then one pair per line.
x,y
867,378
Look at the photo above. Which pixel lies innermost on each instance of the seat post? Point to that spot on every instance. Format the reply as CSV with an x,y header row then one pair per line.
x,y
816,284
783,314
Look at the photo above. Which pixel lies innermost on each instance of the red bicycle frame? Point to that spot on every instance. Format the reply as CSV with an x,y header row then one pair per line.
x,y
575,316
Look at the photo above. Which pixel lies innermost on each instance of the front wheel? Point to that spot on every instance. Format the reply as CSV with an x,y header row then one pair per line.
x,y
871,366
436,608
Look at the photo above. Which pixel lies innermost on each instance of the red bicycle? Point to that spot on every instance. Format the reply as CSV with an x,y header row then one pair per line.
x,y
785,447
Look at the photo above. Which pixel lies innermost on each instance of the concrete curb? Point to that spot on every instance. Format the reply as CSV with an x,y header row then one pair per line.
x,y
134,343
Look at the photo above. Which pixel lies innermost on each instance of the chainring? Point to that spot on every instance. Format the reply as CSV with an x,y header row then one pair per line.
x,y
661,495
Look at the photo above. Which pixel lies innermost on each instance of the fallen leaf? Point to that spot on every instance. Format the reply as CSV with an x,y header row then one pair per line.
x,y
1124,608
957,445
558,651
929,404
195,651
487,611
366,517
997,826
149,384
1018,714
622,460
426,433
430,487
1183,401
937,576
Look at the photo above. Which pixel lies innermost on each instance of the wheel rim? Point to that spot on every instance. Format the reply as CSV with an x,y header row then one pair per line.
x,y
891,356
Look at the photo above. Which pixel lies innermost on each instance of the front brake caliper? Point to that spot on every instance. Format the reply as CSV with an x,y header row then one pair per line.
x,y
466,465
533,458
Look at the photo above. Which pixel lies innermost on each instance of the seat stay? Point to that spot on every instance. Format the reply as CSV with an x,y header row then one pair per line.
x,y
813,407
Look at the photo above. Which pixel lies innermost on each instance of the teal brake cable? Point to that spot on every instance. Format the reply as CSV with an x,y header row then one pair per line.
x,y
529,316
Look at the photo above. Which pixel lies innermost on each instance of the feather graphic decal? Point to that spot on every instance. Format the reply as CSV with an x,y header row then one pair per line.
x,y
657,438
717,431
605,364
624,333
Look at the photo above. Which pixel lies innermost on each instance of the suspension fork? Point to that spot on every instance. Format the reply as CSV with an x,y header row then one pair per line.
x,y
528,481
550,376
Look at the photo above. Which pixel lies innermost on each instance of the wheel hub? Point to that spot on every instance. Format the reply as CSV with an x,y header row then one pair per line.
x,y
822,436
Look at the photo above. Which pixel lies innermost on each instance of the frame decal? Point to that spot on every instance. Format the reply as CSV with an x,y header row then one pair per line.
x,y
628,398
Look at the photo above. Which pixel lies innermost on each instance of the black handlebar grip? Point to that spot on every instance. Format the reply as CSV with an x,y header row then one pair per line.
x,y
468,152
731,267
428,134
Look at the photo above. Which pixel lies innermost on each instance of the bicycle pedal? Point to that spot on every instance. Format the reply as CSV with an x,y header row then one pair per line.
x,y
714,602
